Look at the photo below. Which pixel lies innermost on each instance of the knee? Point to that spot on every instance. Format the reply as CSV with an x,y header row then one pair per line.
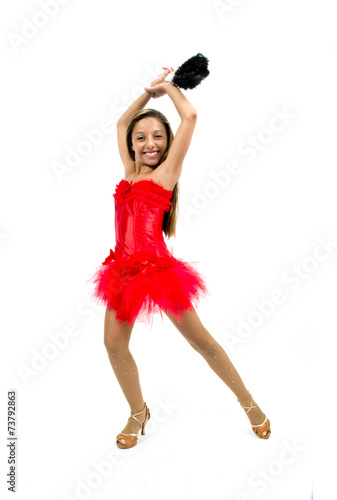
x,y
109,344
115,344
205,344
116,334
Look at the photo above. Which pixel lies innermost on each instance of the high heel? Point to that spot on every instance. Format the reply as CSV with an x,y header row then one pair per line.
x,y
131,439
260,428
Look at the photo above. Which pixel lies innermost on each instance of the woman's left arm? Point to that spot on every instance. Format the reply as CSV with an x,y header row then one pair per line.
x,y
181,142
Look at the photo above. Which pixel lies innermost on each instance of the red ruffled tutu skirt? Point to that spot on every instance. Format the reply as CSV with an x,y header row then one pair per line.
x,y
142,285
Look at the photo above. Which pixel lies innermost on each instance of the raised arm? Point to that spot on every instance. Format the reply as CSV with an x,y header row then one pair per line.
x,y
138,104
173,164
122,126
124,120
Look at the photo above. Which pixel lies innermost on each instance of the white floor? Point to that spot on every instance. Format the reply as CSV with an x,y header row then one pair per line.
x,y
198,442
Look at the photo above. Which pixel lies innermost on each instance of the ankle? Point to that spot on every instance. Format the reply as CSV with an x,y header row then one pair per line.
x,y
140,409
246,399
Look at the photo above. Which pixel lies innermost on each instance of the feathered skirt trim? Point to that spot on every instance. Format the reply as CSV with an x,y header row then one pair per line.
x,y
142,285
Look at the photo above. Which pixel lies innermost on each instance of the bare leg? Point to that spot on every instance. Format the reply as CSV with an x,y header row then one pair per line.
x,y
116,340
201,340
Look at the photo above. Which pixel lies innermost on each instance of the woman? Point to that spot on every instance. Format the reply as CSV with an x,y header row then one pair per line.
x,y
141,277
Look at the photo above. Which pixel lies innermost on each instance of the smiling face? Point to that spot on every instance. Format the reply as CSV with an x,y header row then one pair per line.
x,y
149,141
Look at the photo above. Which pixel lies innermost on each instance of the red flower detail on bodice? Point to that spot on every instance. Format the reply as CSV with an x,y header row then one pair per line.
x,y
109,258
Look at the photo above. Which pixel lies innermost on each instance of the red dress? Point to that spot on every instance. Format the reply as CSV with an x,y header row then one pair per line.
x,y
141,277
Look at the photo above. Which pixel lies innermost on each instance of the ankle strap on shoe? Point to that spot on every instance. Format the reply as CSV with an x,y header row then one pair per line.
x,y
133,415
249,407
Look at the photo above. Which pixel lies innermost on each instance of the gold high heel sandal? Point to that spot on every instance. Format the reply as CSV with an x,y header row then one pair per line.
x,y
131,439
260,428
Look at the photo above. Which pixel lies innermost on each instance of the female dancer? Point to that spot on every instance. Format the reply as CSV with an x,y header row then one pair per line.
x,y
141,276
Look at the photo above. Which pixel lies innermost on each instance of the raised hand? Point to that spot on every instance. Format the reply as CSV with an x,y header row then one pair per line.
x,y
157,88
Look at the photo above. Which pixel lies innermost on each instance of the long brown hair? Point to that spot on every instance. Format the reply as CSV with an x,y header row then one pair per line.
x,y
170,218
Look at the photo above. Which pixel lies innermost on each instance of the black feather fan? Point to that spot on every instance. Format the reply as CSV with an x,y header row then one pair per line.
x,y
191,72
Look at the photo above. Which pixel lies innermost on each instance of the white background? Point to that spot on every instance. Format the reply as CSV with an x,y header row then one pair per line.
x,y
63,78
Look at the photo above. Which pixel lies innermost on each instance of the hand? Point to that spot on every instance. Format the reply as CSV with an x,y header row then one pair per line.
x,y
160,78
157,88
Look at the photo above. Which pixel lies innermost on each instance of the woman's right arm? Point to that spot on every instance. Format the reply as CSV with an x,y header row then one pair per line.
x,y
124,120
122,125
138,104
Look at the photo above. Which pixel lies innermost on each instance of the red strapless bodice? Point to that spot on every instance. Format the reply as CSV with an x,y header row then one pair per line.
x,y
139,213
